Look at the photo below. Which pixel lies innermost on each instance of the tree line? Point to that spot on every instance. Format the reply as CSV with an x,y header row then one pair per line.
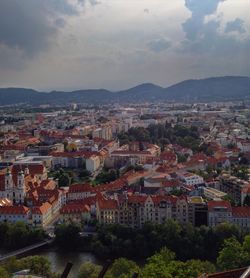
x,y
18,235
114,241
162,135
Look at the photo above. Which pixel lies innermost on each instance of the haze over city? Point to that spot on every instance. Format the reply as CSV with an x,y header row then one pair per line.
x,y
116,44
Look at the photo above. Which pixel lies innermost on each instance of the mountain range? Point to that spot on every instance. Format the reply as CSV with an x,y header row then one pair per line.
x,y
194,90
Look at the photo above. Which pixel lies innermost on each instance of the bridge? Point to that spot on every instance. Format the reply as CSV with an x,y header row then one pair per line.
x,y
24,250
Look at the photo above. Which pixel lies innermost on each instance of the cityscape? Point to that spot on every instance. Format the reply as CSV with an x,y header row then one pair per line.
x,y
151,181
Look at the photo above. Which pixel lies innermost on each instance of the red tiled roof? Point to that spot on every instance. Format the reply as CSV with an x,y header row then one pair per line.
x,y
14,210
235,273
241,212
73,154
108,204
42,209
34,169
219,204
74,208
78,188
121,152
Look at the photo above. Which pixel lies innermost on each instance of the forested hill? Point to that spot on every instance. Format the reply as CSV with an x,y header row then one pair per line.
x,y
201,90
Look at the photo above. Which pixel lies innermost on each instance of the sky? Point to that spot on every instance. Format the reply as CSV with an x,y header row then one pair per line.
x,y
117,44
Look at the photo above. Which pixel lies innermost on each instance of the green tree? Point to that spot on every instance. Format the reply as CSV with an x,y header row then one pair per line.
x,y
64,180
190,269
247,201
246,244
4,273
232,255
37,264
157,264
164,255
67,236
89,270
122,268
158,270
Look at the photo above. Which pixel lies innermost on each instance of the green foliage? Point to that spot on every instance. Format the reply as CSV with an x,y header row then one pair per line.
x,y
89,270
18,235
84,173
240,171
191,269
187,242
163,265
4,273
67,236
232,255
164,255
64,180
163,134
247,201
246,244
37,264
181,158
122,268
106,177
65,177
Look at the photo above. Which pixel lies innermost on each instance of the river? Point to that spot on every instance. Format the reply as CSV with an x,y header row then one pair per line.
x,y
59,259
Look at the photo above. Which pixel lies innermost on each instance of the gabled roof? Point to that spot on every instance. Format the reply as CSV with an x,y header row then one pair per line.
x,y
18,210
74,208
107,204
219,204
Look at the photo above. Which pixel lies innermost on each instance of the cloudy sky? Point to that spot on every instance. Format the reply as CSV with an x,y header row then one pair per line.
x,y
116,44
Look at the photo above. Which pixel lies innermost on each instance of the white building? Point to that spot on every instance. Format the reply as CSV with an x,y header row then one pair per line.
x,y
14,190
191,179
219,212
93,163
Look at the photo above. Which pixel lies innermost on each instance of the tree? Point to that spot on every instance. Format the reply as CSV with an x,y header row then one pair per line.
x,y
67,236
246,244
232,255
165,255
157,264
190,269
4,273
181,158
122,268
247,201
37,264
159,270
89,270
84,174
64,180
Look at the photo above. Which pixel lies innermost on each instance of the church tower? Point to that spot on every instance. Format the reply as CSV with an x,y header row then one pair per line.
x,y
8,180
20,188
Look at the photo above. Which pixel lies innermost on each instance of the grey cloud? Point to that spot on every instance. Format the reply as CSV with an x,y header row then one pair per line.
x,y
202,8
203,39
159,45
195,25
29,26
60,22
236,25
91,2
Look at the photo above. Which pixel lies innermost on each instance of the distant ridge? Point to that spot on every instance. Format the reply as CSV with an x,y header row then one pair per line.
x,y
194,90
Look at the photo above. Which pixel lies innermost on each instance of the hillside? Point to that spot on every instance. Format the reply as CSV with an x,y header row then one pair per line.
x,y
200,90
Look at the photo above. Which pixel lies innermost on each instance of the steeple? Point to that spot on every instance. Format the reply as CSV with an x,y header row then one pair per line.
x,y
8,179
20,180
